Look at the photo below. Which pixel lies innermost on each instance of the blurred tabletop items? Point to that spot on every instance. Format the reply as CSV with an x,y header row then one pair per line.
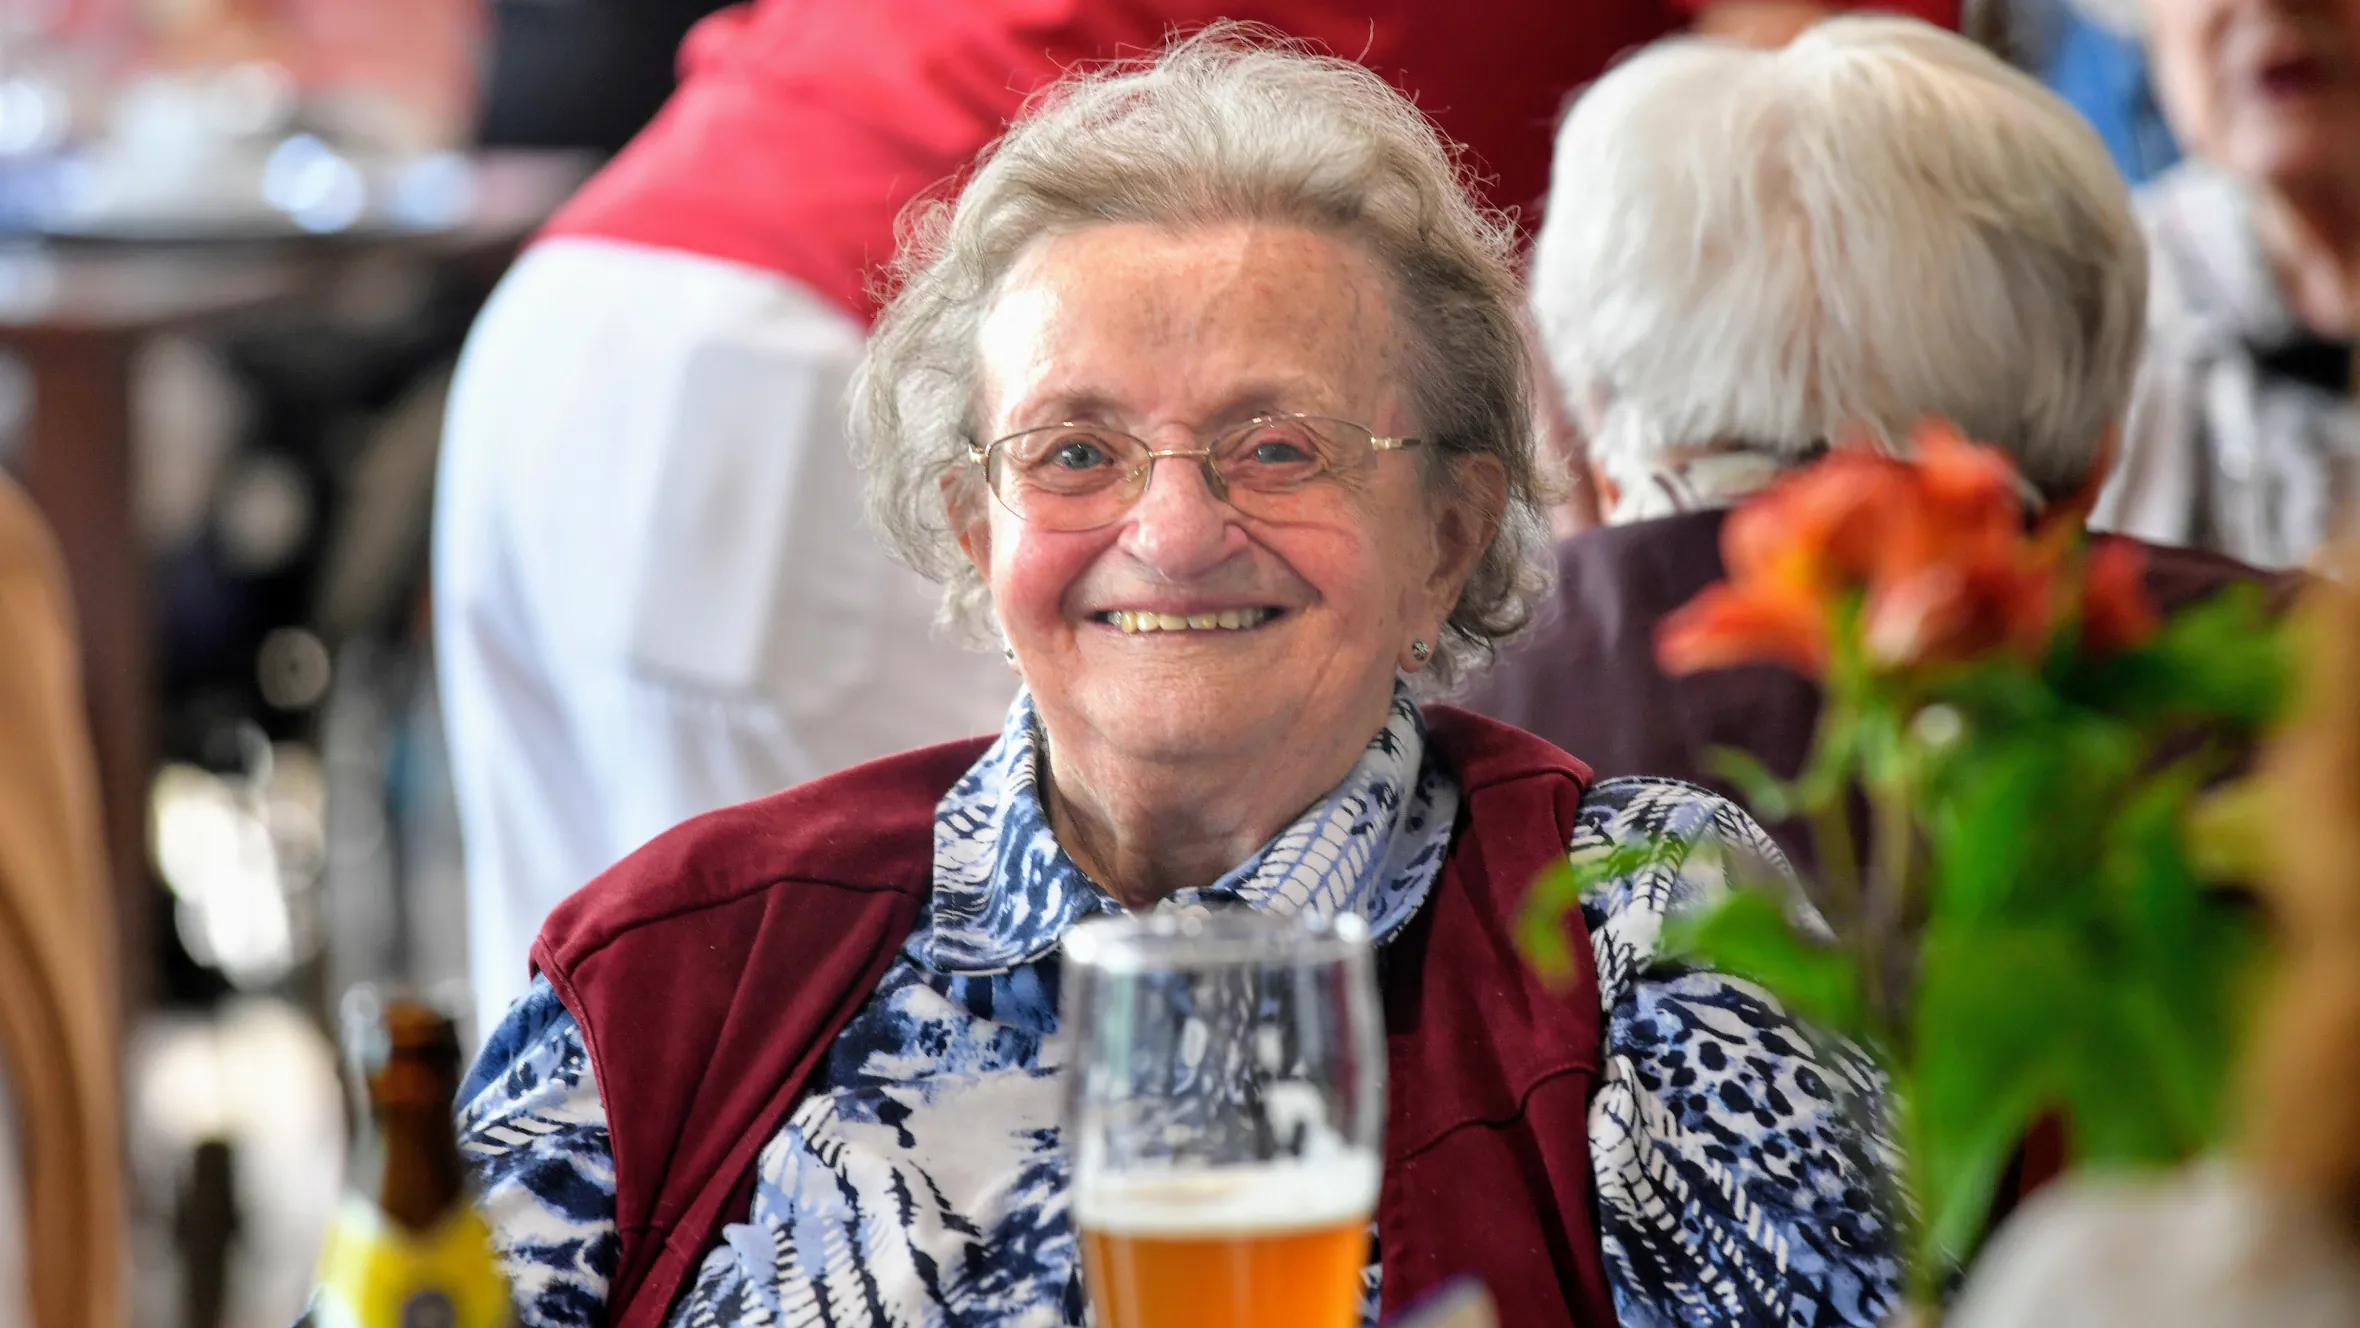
x,y
76,311
240,244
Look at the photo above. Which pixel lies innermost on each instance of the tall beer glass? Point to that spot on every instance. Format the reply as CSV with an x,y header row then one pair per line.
x,y
1226,1105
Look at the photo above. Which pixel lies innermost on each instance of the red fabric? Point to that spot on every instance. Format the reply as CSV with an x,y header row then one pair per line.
x,y
711,970
1487,1156
802,127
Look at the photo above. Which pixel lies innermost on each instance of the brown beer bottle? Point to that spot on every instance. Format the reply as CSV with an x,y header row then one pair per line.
x,y
407,1249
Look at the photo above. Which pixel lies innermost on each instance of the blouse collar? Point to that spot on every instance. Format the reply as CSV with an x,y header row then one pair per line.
x,y
1005,891
1659,487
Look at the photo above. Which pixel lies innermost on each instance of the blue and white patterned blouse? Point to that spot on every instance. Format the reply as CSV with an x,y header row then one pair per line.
x,y
921,1182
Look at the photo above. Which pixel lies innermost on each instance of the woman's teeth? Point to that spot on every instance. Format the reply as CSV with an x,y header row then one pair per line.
x,y
1228,620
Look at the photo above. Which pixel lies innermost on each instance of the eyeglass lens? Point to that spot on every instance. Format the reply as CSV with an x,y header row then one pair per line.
x,y
1076,476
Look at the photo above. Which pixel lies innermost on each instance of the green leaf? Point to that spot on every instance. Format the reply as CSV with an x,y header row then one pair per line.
x,y
1829,771
1540,924
1994,1043
2226,660
1772,799
1997,694
1747,935
1981,855
2146,864
2116,1094
2018,819
1557,893
2180,964
2156,1059
1884,741
1959,1168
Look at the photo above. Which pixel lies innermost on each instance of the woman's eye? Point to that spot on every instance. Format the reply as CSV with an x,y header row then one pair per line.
x,y
1077,452
1279,446
1279,452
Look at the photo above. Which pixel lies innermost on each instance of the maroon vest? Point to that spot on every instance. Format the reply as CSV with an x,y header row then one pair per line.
x,y
711,970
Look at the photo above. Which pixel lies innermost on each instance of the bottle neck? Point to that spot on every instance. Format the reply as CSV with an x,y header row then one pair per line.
x,y
418,1176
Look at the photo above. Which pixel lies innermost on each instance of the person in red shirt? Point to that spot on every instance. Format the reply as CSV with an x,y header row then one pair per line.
x,y
654,592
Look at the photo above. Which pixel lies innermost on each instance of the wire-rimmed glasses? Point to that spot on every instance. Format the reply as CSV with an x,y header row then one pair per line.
x,y
1083,476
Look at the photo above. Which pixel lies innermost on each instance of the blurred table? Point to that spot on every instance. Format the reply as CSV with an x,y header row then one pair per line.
x,y
76,312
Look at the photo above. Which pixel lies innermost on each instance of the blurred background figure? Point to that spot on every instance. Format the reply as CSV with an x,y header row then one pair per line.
x,y
2243,437
61,1197
2094,55
655,591
1745,257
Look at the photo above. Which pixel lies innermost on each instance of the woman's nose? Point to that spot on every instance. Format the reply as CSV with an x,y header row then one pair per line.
x,y
1179,527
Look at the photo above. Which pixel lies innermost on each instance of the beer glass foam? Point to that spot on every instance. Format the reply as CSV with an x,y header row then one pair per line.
x,y
1246,1199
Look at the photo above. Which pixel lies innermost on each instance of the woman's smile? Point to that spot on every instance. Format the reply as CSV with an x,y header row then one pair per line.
x,y
1141,622
2291,65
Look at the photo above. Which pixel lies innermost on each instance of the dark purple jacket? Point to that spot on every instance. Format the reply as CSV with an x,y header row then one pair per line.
x,y
1585,677
711,970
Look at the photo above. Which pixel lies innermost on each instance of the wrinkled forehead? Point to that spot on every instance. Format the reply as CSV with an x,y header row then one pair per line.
x,y
1140,325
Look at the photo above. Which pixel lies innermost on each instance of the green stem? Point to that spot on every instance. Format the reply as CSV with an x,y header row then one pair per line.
x,y
1922,1285
1889,955
1890,894
1823,789
1839,861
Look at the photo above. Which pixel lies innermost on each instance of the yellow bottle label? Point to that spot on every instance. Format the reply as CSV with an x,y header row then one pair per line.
x,y
376,1274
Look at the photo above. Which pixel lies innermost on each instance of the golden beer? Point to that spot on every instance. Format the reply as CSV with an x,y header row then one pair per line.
x,y
1228,1247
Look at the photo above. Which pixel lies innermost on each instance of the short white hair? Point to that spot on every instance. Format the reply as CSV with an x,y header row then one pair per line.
x,y
1879,223
1231,124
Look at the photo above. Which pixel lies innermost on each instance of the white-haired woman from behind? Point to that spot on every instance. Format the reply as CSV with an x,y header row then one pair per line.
x,y
1746,256
1746,253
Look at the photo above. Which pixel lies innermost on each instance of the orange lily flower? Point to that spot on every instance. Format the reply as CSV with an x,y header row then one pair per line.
x,y
1962,609
2116,613
1788,551
1724,627
1970,492
1936,545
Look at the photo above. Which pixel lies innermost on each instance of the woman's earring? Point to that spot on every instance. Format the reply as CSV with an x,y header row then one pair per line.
x,y
1420,651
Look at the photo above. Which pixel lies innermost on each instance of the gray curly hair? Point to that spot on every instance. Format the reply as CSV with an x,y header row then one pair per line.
x,y
1233,124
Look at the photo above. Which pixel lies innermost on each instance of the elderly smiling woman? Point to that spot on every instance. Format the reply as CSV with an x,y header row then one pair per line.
x,y
2243,436
1206,394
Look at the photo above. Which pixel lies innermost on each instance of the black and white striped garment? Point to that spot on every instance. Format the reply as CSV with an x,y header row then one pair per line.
x,y
2242,436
